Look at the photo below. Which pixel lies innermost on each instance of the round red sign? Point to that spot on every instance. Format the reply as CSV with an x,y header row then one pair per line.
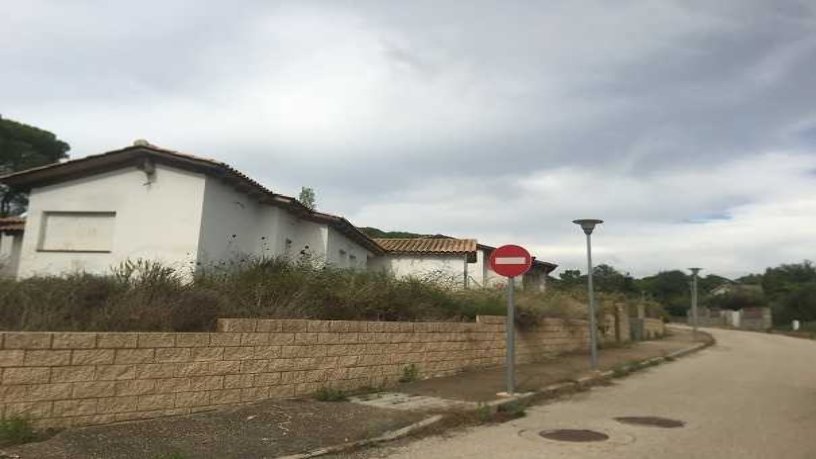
x,y
510,260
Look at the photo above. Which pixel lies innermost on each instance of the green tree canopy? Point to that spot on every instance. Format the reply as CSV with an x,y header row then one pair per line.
x,y
307,198
23,147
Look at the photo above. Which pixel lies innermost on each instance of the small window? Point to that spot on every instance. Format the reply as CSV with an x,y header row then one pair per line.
x,y
77,232
353,261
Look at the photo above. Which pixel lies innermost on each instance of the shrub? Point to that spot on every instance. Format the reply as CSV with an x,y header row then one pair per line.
x,y
14,431
410,373
327,394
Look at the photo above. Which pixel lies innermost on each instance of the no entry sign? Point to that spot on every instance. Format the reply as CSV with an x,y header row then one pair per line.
x,y
510,260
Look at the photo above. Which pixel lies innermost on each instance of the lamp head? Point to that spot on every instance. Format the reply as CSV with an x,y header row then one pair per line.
x,y
695,271
587,224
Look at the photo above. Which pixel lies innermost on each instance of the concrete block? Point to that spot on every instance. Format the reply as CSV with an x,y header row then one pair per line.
x,y
198,383
281,338
239,353
252,394
155,370
135,387
157,340
124,356
224,367
172,385
93,389
266,352
26,340
225,339
39,392
254,339
254,366
32,375
191,399
28,410
268,325
73,373
11,358
267,379
74,407
113,405
192,339
193,369
176,354
206,353
156,402
115,372
225,396
92,357
239,381
116,340
73,341
294,325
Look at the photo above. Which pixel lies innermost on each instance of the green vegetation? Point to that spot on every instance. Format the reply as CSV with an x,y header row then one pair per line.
x,y
173,455
145,296
23,147
511,410
327,394
378,233
410,373
14,431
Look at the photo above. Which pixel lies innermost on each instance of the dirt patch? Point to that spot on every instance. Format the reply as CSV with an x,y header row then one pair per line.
x,y
265,429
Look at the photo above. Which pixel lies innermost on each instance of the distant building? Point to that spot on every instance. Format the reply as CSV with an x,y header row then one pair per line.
x,y
147,202
187,212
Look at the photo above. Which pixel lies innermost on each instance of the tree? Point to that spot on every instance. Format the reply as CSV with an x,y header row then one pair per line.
x,y
23,147
307,198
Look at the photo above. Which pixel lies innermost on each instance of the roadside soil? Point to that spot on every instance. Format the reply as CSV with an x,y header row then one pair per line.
x,y
483,385
264,429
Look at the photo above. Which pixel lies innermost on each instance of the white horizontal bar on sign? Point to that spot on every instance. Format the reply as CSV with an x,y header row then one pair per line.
x,y
511,261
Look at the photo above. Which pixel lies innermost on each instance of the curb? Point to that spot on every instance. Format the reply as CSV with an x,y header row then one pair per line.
x,y
388,436
584,382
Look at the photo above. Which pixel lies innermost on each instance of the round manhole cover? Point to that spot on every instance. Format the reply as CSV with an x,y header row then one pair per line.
x,y
574,435
651,421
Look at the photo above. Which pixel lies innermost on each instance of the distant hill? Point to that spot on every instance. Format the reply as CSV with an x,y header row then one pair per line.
x,y
378,233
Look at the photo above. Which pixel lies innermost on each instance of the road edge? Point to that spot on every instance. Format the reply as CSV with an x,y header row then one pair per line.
x,y
388,436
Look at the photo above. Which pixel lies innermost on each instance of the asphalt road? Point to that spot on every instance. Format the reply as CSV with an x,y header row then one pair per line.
x,y
752,395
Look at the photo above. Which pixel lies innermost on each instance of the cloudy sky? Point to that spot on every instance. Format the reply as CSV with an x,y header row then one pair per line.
x,y
689,126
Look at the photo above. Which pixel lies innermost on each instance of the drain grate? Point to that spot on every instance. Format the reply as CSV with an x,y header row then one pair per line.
x,y
651,421
574,435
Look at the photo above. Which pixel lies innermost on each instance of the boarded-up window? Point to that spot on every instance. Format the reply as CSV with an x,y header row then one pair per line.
x,y
77,231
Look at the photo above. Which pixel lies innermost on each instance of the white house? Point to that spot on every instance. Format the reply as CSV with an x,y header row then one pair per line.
x,y
147,202
11,241
460,262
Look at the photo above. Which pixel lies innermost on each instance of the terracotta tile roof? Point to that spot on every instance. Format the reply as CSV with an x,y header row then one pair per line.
x,y
137,155
12,224
428,245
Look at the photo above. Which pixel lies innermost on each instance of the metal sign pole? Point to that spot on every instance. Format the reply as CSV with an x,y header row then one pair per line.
x,y
510,326
593,329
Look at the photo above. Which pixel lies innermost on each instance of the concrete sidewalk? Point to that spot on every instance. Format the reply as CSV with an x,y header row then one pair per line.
x,y
483,385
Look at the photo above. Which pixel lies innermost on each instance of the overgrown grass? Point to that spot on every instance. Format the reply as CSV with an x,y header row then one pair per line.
x,y
410,373
14,431
145,296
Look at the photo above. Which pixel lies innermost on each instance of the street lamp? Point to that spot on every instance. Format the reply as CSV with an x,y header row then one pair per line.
x,y
694,275
588,224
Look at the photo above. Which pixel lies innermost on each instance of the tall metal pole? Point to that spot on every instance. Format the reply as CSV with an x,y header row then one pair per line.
x,y
694,275
593,343
510,326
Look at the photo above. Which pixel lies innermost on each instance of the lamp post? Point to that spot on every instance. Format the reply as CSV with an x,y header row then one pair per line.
x,y
588,224
694,275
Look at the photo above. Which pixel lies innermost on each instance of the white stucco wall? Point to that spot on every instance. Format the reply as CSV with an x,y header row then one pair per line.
x,y
158,220
342,252
446,268
234,225
10,246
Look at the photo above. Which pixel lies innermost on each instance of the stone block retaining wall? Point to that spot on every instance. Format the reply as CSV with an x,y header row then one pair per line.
x,y
65,379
